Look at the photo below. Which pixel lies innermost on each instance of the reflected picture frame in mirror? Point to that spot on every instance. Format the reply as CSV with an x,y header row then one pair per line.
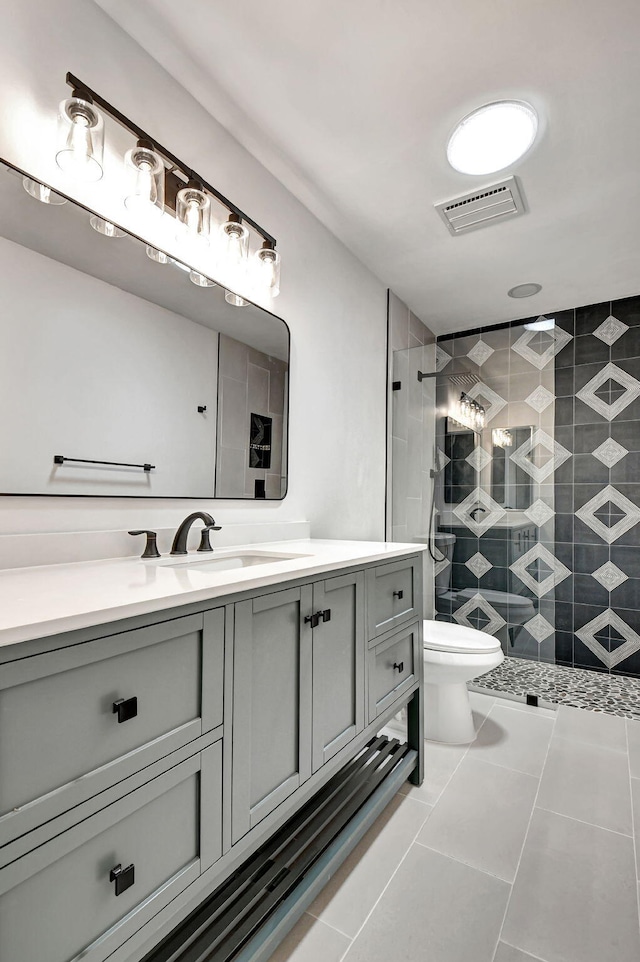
x,y
123,377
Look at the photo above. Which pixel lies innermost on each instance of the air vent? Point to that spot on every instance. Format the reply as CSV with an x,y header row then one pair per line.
x,y
481,207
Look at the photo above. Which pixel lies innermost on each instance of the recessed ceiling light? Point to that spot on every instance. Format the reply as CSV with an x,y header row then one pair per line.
x,y
524,290
492,137
542,324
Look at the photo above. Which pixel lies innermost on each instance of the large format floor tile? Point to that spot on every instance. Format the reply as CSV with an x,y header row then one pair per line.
x,y
575,897
507,953
482,817
592,727
440,762
513,739
635,793
311,941
633,736
588,782
435,908
347,899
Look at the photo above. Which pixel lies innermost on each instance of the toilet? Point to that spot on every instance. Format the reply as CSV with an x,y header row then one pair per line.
x,y
453,655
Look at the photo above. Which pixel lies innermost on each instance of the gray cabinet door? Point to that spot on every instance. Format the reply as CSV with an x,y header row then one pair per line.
x,y
338,665
394,596
271,704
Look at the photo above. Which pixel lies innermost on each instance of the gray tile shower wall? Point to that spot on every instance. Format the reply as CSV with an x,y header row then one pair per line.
x,y
546,531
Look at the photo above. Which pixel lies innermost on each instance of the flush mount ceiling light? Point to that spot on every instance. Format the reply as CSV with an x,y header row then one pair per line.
x,y
160,184
524,290
492,137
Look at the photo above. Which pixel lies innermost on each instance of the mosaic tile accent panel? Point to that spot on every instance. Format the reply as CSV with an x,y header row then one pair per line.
x,y
577,687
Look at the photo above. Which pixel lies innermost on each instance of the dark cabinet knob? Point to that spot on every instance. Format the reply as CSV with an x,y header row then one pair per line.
x,y
150,548
399,665
125,708
123,877
313,620
326,614
398,594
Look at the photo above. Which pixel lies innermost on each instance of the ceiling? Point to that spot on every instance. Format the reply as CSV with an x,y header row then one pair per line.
x,y
350,105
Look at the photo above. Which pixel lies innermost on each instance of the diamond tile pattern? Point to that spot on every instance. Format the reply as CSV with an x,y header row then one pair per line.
x,y
480,352
539,628
442,358
540,399
478,565
610,576
539,513
610,410
609,495
479,521
495,623
479,458
558,455
610,330
540,347
557,570
609,619
610,452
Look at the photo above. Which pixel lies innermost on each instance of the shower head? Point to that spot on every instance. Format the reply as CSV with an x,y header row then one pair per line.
x,y
465,379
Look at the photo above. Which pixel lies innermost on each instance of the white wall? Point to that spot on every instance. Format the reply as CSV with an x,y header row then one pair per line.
x,y
332,303
104,375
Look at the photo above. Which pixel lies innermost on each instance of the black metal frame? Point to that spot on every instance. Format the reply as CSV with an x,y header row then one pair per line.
x,y
148,497
188,172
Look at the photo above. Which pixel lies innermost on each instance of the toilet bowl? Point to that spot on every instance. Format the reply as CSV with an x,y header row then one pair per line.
x,y
453,655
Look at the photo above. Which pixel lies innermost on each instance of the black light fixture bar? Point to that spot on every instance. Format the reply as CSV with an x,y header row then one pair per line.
x,y
78,86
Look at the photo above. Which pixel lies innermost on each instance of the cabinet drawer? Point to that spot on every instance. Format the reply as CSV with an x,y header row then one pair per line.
x,y
60,903
60,739
393,668
393,596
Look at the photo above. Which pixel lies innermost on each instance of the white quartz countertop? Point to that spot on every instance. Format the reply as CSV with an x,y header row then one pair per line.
x,y
40,601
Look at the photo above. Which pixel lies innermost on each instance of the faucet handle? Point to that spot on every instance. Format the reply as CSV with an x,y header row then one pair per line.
x,y
205,544
151,548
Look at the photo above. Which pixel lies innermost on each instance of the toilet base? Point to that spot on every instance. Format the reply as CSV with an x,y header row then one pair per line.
x,y
447,714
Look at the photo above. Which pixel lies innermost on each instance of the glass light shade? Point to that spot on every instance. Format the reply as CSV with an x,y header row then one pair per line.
x,y
158,256
267,271
42,193
234,247
105,227
80,139
193,211
492,137
234,299
145,171
200,280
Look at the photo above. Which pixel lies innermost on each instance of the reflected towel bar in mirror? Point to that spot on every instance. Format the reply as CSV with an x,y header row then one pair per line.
x,y
59,459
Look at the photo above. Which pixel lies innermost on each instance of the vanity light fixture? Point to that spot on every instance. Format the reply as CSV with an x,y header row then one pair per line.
x,y
193,212
469,413
145,169
42,193
80,137
267,266
501,438
234,299
492,137
158,256
105,227
200,280
159,182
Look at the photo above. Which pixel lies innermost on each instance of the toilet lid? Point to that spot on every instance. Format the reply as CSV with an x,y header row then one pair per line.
x,y
445,636
497,597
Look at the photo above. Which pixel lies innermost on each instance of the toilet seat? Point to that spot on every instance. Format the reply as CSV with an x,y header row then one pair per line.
x,y
457,639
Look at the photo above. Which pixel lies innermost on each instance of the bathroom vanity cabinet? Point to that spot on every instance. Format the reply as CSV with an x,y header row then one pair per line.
x,y
143,761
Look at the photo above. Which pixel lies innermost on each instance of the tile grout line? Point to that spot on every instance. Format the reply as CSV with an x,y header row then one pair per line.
x,y
526,836
390,879
582,821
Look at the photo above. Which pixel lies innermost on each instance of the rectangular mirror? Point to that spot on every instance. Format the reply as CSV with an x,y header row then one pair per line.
x,y
121,377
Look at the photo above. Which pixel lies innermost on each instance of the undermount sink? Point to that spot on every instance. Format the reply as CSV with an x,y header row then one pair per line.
x,y
228,562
